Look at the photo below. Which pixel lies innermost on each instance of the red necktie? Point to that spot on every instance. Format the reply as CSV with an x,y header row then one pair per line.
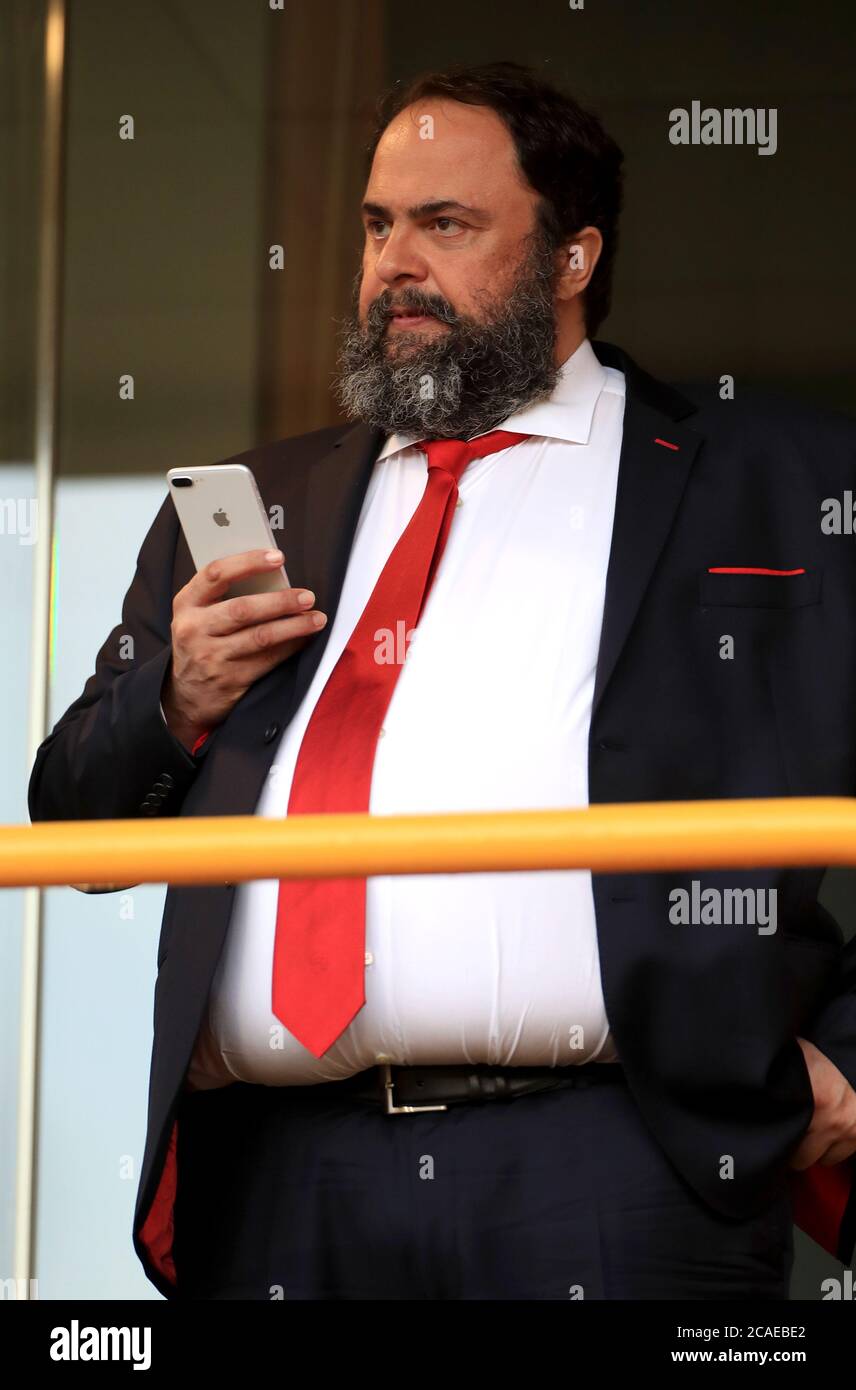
x,y
319,949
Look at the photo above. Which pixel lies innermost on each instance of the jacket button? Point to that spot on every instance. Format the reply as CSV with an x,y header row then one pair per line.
x,y
162,788
271,732
166,780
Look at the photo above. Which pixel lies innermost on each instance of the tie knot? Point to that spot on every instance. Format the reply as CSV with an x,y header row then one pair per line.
x,y
453,455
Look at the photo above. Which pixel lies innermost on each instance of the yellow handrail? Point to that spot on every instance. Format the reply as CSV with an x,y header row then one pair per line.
x,y
605,838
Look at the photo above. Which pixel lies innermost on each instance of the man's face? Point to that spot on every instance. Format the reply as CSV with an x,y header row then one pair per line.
x,y
454,327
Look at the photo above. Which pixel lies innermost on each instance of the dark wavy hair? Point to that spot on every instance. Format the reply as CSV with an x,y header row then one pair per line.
x,y
566,155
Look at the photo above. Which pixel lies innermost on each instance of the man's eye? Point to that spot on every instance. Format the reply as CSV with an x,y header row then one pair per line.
x,y
376,228
447,226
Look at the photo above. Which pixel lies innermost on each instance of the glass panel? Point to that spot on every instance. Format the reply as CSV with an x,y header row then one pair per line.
x,y
21,41
161,266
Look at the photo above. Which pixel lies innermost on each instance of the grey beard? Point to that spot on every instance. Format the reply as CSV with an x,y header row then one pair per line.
x,y
468,381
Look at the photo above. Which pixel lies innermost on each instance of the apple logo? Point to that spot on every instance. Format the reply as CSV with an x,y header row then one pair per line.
x,y
221,518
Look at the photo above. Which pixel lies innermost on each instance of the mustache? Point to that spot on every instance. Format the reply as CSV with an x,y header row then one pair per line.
x,y
412,299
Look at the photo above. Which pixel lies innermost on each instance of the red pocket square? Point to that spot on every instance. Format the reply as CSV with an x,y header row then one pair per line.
x,y
751,569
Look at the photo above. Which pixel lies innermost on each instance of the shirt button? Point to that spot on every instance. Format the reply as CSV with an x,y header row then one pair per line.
x,y
460,502
381,732
369,958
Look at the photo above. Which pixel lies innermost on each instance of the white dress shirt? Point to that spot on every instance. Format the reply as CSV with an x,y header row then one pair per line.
x,y
491,711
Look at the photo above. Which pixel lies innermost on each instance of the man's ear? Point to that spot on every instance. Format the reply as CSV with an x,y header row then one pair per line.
x,y
575,262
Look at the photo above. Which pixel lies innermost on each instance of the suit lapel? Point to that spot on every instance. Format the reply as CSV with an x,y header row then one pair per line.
x,y
335,493
652,477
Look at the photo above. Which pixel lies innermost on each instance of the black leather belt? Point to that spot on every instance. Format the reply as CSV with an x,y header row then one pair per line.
x,y
403,1090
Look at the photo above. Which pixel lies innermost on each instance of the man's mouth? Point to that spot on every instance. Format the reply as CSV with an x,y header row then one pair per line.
x,y
399,319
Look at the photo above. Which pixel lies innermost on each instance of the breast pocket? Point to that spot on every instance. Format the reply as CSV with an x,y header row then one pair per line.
x,y
723,588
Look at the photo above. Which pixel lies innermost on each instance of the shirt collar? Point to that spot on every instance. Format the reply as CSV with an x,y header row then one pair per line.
x,y
567,414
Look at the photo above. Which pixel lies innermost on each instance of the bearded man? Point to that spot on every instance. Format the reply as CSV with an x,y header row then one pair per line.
x,y
523,557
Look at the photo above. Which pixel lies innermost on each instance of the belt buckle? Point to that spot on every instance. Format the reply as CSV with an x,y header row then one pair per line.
x,y
391,1107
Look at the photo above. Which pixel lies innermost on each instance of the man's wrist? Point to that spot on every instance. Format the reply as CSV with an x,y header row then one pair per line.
x,y
189,734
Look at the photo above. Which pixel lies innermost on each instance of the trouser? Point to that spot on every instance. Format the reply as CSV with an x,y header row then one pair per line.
x,y
305,1193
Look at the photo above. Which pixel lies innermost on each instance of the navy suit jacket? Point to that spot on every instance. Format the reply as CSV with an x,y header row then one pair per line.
x,y
705,1018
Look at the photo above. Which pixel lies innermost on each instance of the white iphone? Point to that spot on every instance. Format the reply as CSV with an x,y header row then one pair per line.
x,y
222,513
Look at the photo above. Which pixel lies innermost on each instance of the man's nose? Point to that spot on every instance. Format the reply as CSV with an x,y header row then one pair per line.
x,y
399,260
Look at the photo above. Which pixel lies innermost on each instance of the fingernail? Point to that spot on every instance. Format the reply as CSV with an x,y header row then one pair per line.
x,y
274,556
320,619
306,597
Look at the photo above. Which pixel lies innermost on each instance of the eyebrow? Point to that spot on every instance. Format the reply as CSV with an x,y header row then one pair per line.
x,y
428,209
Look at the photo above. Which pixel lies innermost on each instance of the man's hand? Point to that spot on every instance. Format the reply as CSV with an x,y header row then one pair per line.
x,y
221,646
831,1136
